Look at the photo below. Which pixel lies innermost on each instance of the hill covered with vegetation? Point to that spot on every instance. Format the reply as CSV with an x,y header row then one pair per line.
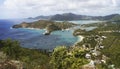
x,y
104,39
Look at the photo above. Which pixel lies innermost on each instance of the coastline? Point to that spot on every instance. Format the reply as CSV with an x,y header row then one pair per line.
x,y
80,38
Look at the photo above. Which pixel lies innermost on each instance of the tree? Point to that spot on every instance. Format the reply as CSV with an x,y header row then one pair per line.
x,y
63,58
11,48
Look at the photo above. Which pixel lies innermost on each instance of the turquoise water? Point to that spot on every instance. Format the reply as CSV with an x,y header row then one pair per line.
x,y
37,40
66,36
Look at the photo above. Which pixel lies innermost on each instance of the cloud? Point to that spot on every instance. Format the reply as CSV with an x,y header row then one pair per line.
x,y
26,8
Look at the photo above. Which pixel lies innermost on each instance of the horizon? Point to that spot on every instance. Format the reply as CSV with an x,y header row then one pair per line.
x,y
59,14
32,8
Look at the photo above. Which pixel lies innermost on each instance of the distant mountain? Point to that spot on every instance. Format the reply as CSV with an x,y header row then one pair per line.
x,y
113,17
41,17
71,16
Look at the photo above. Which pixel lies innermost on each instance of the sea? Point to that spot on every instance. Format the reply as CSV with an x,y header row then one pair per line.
x,y
34,38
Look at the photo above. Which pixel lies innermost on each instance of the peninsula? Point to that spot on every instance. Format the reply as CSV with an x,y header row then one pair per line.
x,y
49,26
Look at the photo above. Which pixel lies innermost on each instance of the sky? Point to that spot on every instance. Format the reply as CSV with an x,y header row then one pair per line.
x,y
32,8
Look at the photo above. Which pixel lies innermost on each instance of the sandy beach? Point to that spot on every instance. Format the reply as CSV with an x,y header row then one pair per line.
x,y
80,38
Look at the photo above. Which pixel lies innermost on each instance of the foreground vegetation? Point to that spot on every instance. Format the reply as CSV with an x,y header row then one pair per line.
x,y
61,58
29,58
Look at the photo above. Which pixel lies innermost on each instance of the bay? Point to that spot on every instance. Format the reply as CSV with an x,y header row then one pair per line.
x,y
34,38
